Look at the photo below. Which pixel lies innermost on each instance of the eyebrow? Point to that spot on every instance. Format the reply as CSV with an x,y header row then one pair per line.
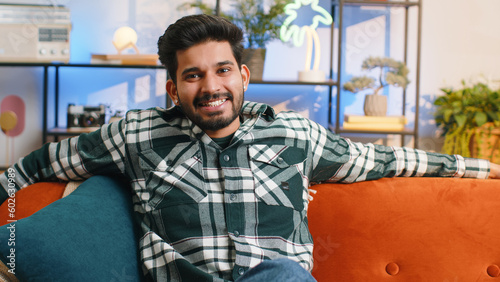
x,y
223,63
219,64
188,70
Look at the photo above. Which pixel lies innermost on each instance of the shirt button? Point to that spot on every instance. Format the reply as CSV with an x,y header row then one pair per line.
x,y
226,158
241,271
236,233
279,160
233,197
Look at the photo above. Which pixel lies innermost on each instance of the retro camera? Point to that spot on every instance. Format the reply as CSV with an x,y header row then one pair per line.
x,y
86,116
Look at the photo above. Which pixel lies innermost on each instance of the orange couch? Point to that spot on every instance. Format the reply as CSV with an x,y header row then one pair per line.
x,y
407,229
398,229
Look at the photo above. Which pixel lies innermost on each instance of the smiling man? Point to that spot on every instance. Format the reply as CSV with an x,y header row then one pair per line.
x,y
210,69
220,185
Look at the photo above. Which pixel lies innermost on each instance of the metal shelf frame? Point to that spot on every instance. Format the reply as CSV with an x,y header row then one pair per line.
x,y
337,11
45,90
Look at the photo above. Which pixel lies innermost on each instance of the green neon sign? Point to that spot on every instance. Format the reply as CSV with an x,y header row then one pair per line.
x,y
299,34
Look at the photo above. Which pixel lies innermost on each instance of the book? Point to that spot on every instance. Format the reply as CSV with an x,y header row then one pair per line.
x,y
374,126
126,59
375,119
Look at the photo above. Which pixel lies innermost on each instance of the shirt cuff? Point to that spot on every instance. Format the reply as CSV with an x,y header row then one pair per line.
x,y
473,168
4,195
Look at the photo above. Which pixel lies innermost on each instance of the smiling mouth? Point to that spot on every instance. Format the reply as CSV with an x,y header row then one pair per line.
x,y
213,103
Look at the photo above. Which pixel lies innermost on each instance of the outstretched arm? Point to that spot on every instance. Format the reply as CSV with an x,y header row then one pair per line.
x,y
77,158
336,159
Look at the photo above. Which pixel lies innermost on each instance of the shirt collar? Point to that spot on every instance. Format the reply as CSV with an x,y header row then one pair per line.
x,y
254,108
170,113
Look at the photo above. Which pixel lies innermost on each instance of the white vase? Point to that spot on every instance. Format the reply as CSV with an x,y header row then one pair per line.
x,y
312,76
375,105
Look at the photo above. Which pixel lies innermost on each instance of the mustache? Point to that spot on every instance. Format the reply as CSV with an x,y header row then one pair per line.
x,y
209,97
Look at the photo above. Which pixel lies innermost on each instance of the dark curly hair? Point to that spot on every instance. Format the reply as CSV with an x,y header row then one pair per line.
x,y
195,29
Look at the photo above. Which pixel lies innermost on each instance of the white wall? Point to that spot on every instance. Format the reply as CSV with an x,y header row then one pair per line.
x,y
460,40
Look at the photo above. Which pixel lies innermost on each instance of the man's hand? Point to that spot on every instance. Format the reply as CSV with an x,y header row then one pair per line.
x,y
494,171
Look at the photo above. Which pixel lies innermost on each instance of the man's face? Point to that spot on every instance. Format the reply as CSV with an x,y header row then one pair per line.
x,y
210,87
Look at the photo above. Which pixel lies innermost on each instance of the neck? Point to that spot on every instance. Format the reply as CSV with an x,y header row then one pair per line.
x,y
226,131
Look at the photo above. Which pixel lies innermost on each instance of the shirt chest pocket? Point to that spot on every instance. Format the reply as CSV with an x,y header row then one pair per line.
x,y
173,175
278,173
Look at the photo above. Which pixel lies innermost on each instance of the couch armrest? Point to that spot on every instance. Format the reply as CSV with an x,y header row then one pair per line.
x,y
414,229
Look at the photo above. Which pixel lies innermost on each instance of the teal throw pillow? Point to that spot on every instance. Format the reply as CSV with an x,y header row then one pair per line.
x,y
89,235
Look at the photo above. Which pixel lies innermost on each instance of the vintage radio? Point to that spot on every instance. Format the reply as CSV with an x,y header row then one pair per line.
x,y
34,33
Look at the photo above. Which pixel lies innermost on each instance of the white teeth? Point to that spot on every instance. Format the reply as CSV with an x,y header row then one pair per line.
x,y
214,103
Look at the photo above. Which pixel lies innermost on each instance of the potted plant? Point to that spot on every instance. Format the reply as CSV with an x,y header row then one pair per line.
x,y
469,118
391,72
259,25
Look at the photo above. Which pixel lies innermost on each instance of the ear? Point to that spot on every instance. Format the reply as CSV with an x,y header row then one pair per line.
x,y
245,76
172,91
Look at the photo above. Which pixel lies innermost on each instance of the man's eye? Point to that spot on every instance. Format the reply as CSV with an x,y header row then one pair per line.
x,y
223,70
192,76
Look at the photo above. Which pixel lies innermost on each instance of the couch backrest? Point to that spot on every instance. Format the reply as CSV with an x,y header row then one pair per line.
x,y
407,229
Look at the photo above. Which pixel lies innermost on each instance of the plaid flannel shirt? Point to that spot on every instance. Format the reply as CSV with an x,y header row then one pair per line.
x,y
210,213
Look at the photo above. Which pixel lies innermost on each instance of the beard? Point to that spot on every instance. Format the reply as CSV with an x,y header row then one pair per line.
x,y
215,120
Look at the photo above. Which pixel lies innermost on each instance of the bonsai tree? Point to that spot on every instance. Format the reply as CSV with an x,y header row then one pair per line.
x,y
391,72
259,25
466,114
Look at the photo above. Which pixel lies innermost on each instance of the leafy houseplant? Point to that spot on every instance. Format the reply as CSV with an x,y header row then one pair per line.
x,y
259,26
391,72
469,117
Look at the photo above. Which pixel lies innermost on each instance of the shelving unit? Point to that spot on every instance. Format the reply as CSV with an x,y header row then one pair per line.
x,y
333,83
57,131
337,13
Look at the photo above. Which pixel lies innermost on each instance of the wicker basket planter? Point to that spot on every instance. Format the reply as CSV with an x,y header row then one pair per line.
x,y
485,143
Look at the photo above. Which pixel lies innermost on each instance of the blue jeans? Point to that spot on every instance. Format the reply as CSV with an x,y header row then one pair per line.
x,y
277,270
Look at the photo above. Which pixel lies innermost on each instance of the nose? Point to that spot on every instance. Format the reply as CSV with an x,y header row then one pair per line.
x,y
211,84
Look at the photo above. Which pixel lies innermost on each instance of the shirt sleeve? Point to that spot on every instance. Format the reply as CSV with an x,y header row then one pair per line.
x,y
337,159
76,158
